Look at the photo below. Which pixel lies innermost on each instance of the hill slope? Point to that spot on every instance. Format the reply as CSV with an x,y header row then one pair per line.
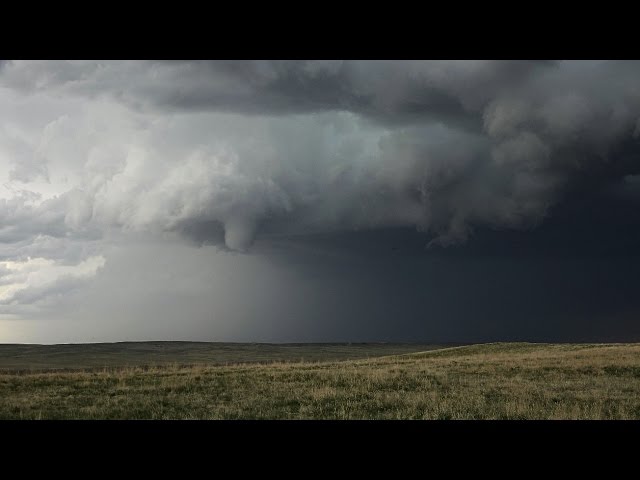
x,y
493,381
126,354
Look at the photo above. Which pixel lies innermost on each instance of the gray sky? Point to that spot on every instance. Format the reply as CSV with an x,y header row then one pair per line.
x,y
319,201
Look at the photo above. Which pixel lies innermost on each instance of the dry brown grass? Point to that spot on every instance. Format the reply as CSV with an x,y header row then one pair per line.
x,y
495,381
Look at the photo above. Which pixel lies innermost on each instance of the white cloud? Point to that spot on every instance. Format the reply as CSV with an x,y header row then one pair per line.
x,y
91,152
36,279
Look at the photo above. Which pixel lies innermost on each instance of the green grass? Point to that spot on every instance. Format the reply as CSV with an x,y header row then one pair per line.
x,y
493,381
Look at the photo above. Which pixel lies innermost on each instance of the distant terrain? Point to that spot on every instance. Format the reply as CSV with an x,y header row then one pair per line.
x,y
489,381
129,354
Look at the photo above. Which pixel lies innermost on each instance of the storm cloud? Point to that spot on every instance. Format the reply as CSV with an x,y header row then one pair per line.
x,y
274,158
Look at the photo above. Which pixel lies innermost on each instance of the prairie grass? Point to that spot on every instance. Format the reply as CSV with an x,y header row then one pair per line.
x,y
134,354
490,381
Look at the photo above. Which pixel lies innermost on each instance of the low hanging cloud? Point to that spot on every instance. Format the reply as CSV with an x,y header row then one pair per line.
x,y
222,152
38,279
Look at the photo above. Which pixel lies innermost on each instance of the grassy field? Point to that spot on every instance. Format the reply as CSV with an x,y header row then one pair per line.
x,y
492,381
136,354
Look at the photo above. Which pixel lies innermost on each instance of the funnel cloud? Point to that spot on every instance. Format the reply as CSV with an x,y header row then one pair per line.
x,y
318,200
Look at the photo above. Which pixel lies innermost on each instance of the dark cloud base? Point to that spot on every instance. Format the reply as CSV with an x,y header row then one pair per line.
x,y
431,201
574,279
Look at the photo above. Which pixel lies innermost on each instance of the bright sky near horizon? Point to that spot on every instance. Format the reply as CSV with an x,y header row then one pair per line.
x,y
319,200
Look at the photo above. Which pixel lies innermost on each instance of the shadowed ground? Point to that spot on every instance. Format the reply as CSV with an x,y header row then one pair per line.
x,y
128,354
491,381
